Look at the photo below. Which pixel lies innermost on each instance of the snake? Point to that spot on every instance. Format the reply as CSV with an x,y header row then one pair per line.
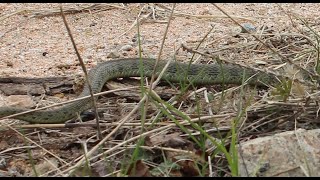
x,y
176,72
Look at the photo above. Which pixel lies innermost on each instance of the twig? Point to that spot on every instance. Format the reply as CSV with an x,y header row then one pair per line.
x,y
85,73
72,10
161,48
135,23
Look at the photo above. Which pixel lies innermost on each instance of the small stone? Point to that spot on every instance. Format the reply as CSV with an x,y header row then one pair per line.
x,y
259,62
249,27
135,38
101,47
289,154
3,162
126,48
93,24
89,57
113,54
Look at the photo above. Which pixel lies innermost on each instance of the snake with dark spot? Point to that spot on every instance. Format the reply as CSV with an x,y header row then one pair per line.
x,y
198,74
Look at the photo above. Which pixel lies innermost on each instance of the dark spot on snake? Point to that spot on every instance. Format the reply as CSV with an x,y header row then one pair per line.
x,y
193,72
120,69
50,115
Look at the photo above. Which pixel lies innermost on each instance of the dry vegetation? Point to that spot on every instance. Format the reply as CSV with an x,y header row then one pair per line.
x,y
285,42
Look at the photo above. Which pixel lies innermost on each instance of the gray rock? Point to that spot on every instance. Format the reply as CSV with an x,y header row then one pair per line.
x,y
113,54
249,27
292,153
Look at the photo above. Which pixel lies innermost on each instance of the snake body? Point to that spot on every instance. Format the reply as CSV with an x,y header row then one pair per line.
x,y
132,67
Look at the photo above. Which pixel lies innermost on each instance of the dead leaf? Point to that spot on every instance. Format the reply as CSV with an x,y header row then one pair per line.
x,y
176,142
139,170
188,168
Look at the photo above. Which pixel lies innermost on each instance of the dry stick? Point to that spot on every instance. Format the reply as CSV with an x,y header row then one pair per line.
x,y
14,13
210,166
80,162
85,73
43,13
73,10
209,16
266,45
135,23
161,48
16,148
160,52
200,43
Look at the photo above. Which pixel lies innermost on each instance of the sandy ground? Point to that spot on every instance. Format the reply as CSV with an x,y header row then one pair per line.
x,y
34,47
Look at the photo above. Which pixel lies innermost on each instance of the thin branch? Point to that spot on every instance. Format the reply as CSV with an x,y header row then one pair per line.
x,y
85,72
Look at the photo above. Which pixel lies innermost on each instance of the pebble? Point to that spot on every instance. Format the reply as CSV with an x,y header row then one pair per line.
x,y
113,54
89,57
249,27
126,48
3,162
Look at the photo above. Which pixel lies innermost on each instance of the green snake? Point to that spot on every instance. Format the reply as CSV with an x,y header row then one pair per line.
x,y
198,74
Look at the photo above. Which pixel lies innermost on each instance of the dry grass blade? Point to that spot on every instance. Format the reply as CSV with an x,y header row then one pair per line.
x,y
97,7
68,10
94,104
162,44
16,148
180,14
140,19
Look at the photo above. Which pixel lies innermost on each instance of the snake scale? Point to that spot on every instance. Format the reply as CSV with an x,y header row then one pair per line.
x,y
198,74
